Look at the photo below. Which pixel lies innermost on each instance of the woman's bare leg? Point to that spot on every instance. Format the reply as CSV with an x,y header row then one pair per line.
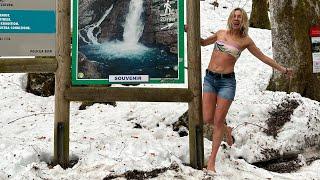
x,y
221,111
209,101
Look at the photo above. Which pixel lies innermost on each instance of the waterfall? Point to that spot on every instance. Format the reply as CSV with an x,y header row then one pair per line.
x,y
132,31
93,37
133,26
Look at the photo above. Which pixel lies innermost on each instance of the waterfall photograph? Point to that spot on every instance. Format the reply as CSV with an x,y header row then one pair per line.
x,y
127,37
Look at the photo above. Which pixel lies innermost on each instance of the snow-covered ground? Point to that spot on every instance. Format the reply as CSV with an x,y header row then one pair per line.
x,y
104,139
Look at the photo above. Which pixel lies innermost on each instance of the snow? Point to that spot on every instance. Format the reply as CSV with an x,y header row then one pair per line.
x,y
104,140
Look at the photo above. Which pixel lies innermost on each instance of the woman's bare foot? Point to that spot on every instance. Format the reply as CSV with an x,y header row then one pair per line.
x,y
230,139
211,165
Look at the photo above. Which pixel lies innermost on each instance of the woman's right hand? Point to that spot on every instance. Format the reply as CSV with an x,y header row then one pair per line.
x,y
288,72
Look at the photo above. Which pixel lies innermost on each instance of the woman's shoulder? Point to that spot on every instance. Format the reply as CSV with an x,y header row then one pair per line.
x,y
222,31
247,39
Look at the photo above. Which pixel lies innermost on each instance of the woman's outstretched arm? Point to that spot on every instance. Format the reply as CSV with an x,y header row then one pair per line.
x,y
205,42
210,40
253,49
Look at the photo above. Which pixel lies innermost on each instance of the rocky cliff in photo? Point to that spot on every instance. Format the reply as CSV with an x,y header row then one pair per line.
x,y
159,29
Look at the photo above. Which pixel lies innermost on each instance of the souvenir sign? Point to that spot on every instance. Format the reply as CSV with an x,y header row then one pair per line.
x,y
127,42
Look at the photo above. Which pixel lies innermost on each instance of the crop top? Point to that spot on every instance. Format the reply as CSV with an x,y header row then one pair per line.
x,y
227,48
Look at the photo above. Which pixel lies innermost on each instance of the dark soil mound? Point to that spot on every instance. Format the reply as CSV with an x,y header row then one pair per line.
x,y
285,164
140,175
279,116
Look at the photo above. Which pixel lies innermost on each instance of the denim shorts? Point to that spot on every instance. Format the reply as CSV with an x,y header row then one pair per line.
x,y
224,85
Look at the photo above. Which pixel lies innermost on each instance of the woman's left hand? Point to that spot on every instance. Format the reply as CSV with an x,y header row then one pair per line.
x,y
288,72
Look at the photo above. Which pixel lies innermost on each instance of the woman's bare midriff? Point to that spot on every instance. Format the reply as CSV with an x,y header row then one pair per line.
x,y
221,62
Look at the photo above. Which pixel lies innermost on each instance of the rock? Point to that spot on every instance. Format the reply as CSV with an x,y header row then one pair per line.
x,y
87,68
160,29
167,38
183,131
207,131
112,27
85,104
91,11
138,126
41,84
183,122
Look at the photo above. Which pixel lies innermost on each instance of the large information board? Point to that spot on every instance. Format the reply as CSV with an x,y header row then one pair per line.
x,y
127,41
27,27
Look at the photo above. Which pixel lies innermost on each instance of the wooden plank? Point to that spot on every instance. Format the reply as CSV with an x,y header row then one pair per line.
x,y
62,106
28,65
107,94
194,84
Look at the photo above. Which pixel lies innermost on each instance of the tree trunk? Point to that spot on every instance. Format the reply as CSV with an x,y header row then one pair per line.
x,y
291,21
259,14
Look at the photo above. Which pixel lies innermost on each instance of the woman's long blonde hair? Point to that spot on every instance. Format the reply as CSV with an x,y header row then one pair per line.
x,y
244,26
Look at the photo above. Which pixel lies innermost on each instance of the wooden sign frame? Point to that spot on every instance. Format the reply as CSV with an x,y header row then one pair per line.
x,y
128,61
64,93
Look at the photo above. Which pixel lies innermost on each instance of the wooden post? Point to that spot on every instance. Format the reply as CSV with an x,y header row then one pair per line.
x,y
23,65
107,94
62,77
194,84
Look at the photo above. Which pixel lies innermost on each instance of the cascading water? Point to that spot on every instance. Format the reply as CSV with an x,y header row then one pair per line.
x,y
128,56
133,26
132,31
93,38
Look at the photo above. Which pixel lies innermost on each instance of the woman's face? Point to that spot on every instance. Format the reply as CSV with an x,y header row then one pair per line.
x,y
236,20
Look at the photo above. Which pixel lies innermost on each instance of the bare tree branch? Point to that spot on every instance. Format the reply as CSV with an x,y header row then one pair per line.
x,y
26,117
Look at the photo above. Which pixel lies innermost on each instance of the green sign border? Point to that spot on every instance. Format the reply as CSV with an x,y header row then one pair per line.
x,y
180,79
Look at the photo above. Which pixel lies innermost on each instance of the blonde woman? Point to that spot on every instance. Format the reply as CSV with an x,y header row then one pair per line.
x,y
219,82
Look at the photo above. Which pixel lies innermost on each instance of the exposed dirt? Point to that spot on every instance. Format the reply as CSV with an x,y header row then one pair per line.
x,y
279,116
271,153
284,164
140,175
72,162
